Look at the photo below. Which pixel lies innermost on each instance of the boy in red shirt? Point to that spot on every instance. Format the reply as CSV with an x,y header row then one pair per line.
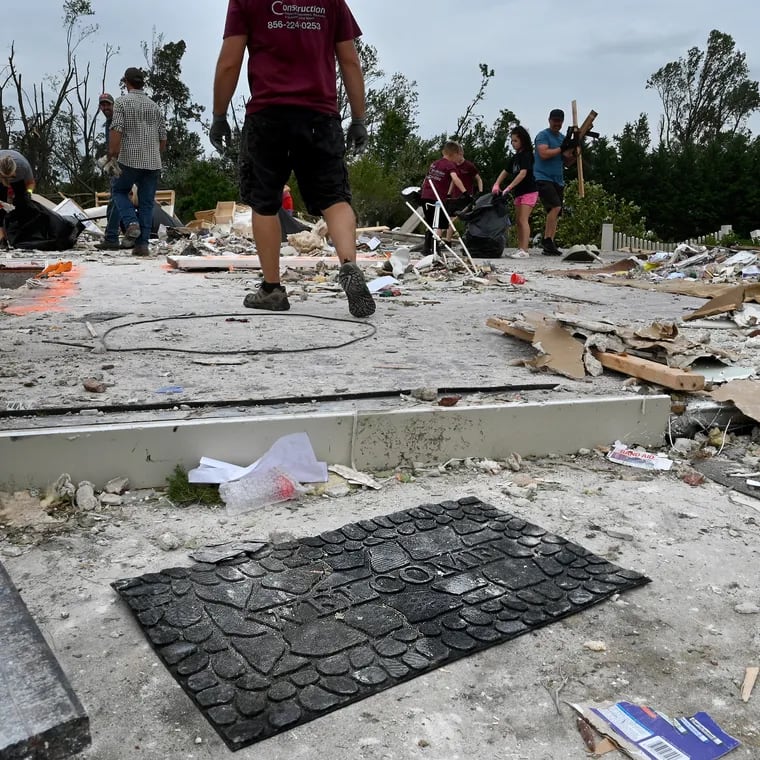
x,y
441,174
458,201
292,124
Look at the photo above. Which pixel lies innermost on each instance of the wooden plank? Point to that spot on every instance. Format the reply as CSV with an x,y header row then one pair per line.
x,y
588,124
234,261
578,152
653,372
644,369
509,329
750,677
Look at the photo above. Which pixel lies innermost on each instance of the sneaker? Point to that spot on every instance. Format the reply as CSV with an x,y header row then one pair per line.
x,y
132,232
360,301
520,254
141,250
108,245
549,248
277,300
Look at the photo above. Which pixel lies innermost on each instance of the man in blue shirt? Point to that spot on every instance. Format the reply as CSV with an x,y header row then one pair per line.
x,y
554,151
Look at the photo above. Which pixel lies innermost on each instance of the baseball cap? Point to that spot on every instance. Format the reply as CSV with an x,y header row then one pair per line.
x,y
134,76
106,97
557,113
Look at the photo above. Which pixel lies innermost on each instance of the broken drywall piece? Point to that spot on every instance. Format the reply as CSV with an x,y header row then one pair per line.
x,y
355,476
747,316
558,350
744,394
657,331
729,301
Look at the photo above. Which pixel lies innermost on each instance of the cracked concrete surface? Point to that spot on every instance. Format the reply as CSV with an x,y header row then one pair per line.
x,y
677,644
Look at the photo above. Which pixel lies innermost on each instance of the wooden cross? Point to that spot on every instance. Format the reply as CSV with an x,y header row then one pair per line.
x,y
581,132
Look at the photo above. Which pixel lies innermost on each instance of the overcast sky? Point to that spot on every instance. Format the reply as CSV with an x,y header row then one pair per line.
x,y
544,54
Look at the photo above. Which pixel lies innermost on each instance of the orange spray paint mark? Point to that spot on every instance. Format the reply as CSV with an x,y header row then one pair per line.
x,y
51,298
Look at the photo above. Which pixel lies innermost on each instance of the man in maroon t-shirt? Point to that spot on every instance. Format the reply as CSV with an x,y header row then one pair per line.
x,y
458,200
441,174
292,124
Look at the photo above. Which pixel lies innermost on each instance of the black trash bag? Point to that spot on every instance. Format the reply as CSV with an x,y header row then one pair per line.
x,y
290,225
36,228
487,222
161,216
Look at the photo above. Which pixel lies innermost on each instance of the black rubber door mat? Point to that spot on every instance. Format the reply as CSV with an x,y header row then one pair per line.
x,y
266,642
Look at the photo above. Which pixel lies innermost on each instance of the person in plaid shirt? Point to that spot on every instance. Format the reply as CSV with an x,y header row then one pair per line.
x,y
137,139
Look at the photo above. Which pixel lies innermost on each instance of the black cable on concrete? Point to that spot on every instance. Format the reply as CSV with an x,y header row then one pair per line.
x,y
372,331
264,402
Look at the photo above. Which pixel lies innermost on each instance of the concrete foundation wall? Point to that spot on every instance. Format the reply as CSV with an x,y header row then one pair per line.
x,y
148,452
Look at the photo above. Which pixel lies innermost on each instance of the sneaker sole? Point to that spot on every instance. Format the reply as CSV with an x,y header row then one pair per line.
x,y
360,301
250,302
132,235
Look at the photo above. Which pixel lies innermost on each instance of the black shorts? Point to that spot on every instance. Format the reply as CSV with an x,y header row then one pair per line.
x,y
281,139
551,194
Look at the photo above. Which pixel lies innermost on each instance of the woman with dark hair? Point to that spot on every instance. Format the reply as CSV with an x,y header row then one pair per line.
x,y
522,186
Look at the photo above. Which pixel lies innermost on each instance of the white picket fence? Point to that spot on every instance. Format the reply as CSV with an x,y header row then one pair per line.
x,y
615,241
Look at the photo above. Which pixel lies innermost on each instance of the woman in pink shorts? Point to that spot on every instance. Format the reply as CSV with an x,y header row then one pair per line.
x,y
522,186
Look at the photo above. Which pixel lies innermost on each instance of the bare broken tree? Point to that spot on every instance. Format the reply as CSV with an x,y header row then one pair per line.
x,y
6,112
39,111
465,121
76,140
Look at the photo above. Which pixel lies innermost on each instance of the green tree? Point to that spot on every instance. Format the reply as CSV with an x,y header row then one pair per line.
x,y
200,185
706,93
469,118
582,220
489,148
163,80
394,119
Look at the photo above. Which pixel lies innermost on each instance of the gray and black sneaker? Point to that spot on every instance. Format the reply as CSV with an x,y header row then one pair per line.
x,y
277,300
549,248
360,301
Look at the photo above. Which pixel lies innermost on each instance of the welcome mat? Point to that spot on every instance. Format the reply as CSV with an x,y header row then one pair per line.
x,y
268,641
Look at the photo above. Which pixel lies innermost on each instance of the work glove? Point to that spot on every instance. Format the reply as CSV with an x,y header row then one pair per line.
x,y
570,141
357,136
220,134
496,189
111,167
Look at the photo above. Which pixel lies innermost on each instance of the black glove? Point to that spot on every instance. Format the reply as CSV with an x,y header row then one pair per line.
x,y
570,141
220,134
356,136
